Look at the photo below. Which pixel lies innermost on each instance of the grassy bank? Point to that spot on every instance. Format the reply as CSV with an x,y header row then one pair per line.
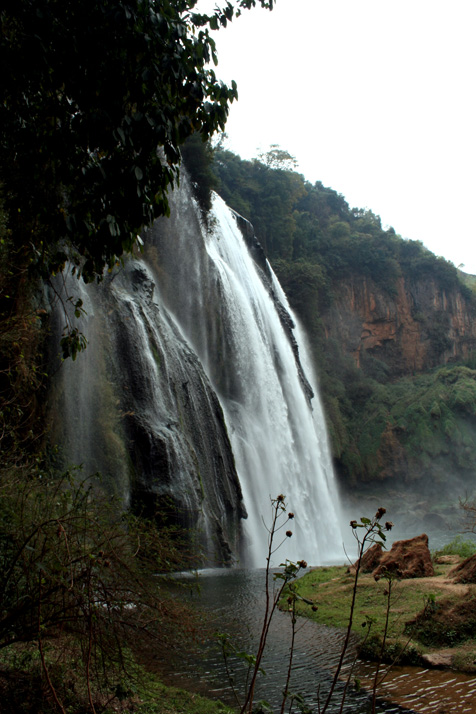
x,y
170,700
24,689
448,623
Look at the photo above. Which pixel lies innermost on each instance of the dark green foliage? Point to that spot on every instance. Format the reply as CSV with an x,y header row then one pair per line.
x,y
265,196
297,220
315,241
90,90
197,156
431,416
22,362
306,286
371,649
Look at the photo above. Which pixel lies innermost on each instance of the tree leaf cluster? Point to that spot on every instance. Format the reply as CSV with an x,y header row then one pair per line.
x,y
299,221
97,98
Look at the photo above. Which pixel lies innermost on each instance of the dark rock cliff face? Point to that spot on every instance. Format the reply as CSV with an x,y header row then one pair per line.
x,y
411,327
175,429
138,408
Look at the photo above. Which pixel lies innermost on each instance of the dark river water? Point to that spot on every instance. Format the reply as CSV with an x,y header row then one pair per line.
x,y
233,601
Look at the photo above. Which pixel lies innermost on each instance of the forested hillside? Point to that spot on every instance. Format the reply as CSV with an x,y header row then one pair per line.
x,y
390,324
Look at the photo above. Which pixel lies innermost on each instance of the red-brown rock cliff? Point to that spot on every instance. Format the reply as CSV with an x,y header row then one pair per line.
x,y
410,327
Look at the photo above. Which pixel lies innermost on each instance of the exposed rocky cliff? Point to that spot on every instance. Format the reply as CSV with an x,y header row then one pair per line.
x,y
402,394
412,326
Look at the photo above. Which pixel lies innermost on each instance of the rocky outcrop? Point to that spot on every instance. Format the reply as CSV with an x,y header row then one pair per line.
x,y
465,572
407,559
370,560
407,327
438,660
447,559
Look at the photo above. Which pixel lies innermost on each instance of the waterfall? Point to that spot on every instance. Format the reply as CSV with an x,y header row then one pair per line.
x,y
230,312
194,345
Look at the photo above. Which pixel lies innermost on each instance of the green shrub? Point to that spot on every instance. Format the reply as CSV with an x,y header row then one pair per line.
x,y
458,546
446,624
394,652
77,585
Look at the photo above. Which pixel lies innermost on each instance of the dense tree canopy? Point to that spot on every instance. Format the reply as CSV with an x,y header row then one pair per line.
x,y
90,90
315,241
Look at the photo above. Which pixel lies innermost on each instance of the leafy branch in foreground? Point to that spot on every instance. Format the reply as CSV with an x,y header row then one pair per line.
x,y
280,517
373,532
91,90
287,596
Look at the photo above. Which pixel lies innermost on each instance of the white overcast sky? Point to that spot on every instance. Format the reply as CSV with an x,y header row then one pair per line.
x,y
375,98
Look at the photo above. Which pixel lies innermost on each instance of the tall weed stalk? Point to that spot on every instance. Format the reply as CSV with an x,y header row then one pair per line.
x,y
367,532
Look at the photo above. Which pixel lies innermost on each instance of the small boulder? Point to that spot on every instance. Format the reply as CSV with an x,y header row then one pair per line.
x,y
438,660
407,559
447,559
465,572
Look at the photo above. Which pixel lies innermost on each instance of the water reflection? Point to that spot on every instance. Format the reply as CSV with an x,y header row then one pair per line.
x,y
234,602
427,691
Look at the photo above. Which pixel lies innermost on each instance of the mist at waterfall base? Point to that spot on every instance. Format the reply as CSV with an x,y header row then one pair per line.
x,y
194,391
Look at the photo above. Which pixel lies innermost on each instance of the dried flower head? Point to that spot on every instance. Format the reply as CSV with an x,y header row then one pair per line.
x,y
388,526
353,524
381,512
290,515
289,534
302,563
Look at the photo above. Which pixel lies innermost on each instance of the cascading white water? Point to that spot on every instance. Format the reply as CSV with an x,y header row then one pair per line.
x,y
275,439
279,442
193,319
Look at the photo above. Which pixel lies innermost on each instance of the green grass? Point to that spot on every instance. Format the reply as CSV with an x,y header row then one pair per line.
x,y
137,691
160,699
329,592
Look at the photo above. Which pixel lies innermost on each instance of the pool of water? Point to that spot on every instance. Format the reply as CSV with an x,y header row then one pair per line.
x,y
233,601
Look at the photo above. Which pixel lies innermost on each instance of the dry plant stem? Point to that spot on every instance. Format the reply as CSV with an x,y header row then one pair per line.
x,y
248,703
291,653
351,671
382,649
346,686
42,654
90,645
229,676
400,654
349,627
344,694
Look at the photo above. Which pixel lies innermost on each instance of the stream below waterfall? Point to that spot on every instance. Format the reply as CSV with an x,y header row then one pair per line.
x,y
234,602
